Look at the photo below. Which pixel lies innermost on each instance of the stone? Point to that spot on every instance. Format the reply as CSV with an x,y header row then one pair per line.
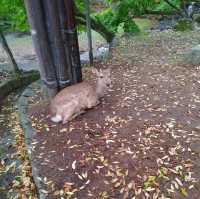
x,y
197,163
195,147
100,53
193,56
197,128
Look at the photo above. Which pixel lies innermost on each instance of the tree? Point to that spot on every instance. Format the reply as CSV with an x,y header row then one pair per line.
x,y
96,25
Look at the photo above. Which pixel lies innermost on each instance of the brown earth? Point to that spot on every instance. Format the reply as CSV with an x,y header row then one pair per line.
x,y
142,141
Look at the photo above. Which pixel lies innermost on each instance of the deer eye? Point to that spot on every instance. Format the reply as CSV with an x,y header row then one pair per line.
x,y
101,77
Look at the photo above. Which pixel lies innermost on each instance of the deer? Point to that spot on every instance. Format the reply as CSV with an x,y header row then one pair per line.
x,y
76,99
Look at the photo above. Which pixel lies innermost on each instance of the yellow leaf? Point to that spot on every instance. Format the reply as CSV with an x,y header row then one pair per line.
x,y
184,192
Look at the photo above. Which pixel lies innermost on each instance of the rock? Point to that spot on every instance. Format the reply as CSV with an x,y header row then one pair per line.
x,y
197,162
193,56
197,128
99,54
195,147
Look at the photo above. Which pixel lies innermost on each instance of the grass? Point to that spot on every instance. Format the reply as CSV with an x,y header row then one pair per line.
x,y
143,23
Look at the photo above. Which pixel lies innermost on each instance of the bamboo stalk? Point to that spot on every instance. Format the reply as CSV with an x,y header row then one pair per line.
x,y
89,34
41,43
73,41
56,41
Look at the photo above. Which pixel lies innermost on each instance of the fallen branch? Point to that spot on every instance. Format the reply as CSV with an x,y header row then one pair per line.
x,y
9,53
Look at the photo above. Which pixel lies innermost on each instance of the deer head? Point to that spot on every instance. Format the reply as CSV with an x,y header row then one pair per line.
x,y
103,81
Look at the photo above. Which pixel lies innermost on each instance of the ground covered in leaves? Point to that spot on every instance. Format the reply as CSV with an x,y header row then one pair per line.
x,y
15,170
142,141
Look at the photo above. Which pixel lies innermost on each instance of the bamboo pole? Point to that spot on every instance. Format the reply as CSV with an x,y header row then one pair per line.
x,y
73,41
51,9
89,34
63,26
40,40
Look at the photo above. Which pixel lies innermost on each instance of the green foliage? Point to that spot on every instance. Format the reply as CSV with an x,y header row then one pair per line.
x,y
131,7
165,7
183,25
113,19
13,15
120,13
108,18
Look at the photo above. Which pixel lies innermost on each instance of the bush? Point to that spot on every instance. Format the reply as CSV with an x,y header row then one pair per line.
x,y
113,21
196,18
13,15
183,25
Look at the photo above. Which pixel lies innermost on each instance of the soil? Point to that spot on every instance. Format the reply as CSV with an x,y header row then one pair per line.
x,y
139,142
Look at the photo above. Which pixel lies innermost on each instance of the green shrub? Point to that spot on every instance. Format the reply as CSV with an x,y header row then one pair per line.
x,y
183,25
113,21
13,15
196,18
163,6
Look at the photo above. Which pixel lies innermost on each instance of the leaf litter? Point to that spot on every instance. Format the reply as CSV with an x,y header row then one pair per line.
x,y
137,142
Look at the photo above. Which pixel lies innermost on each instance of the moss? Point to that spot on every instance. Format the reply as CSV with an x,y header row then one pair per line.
x,y
183,25
196,18
17,81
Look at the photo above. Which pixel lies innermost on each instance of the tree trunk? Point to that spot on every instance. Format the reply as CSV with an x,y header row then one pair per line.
x,y
9,53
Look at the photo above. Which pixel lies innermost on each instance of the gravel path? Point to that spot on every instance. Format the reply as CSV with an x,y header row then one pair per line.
x,y
24,53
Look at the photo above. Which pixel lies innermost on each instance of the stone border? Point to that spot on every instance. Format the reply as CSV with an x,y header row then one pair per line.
x,y
17,82
29,132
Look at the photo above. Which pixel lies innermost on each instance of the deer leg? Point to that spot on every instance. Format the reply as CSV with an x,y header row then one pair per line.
x,y
93,101
76,114
68,112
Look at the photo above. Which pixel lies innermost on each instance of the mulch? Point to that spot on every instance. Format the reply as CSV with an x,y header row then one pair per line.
x,y
138,142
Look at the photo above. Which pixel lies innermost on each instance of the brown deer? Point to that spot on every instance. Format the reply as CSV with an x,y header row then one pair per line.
x,y
74,100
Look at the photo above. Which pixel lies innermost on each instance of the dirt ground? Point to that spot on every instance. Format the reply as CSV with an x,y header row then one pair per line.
x,y
142,141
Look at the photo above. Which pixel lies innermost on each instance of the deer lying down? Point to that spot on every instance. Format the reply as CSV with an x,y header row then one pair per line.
x,y
75,99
